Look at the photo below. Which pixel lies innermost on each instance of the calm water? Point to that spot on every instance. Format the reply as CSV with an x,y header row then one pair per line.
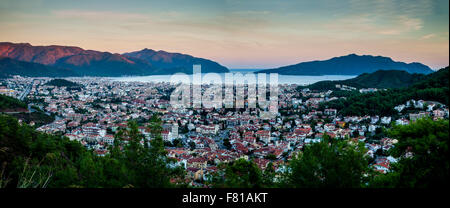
x,y
282,79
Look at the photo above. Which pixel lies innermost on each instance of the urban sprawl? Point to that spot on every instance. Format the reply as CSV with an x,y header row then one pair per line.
x,y
200,139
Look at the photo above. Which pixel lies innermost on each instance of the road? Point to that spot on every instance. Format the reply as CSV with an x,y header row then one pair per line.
x,y
26,91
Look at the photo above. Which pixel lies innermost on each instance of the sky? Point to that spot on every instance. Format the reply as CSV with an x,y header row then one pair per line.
x,y
238,34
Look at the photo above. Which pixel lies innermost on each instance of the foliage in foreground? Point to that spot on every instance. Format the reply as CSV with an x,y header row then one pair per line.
x,y
339,164
426,141
32,159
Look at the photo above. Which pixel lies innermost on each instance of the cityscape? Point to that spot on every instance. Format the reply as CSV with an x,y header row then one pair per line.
x,y
224,103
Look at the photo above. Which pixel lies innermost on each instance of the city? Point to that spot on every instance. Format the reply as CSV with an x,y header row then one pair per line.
x,y
233,103
201,139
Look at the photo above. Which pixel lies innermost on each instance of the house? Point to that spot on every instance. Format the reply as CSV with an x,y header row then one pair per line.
x,y
402,121
414,116
263,135
374,119
208,129
438,113
329,127
109,139
165,135
330,112
386,120
399,108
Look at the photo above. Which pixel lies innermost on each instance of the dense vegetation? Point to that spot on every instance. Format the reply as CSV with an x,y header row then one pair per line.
x,y
243,174
434,87
10,103
64,83
329,164
32,159
10,67
378,79
428,143
38,117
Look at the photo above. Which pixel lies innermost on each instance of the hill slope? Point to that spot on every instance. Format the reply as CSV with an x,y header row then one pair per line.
x,y
96,63
65,83
378,79
349,65
10,104
83,62
433,87
175,62
10,67
62,83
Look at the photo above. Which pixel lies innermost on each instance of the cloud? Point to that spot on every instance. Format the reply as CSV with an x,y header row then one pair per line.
x,y
374,24
410,23
425,37
97,15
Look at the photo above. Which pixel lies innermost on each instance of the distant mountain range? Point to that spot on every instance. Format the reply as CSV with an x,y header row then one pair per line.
x,y
378,79
79,62
60,61
349,65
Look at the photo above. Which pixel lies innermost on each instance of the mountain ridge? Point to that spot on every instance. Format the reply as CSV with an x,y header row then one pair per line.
x,y
377,79
97,63
351,64
167,60
10,67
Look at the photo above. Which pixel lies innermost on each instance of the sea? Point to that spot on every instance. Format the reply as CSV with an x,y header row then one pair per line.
x,y
282,79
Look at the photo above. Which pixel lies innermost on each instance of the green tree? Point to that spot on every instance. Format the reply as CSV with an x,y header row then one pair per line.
x,y
329,163
428,166
238,174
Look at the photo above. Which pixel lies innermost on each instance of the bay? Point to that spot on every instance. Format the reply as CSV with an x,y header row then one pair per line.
x,y
282,79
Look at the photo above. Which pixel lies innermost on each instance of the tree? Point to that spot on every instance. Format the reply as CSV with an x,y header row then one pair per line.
x,y
238,174
148,164
271,157
33,159
329,163
269,176
427,141
226,143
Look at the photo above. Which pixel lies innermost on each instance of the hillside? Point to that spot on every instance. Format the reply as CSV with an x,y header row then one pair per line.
x,y
97,63
433,87
10,104
10,67
378,79
32,159
64,83
169,63
349,65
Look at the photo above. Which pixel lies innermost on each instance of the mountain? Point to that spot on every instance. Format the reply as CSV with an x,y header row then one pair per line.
x,y
378,79
83,62
349,65
10,67
432,87
96,63
170,63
